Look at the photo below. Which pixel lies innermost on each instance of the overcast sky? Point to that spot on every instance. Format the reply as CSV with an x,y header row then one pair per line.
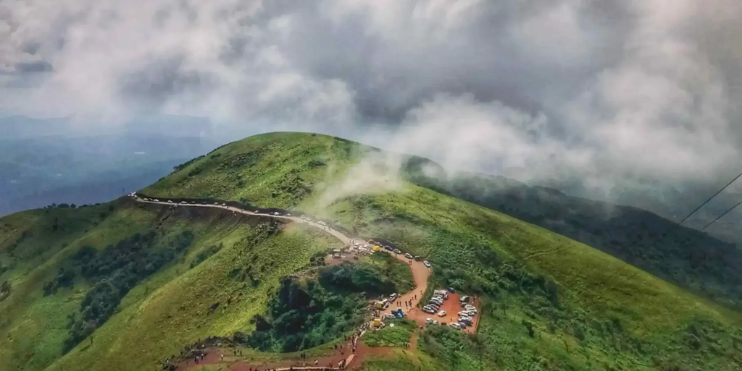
x,y
604,91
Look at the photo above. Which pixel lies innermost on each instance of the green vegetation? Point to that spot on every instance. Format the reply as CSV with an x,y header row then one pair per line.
x,y
304,315
396,333
113,273
692,259
205,254
366,278
164,309
392,269
549,302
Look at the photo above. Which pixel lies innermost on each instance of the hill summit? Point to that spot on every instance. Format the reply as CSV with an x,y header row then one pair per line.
x,y
126,285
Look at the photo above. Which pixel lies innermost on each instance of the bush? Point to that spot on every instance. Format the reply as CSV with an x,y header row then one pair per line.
x,y
304,315
357,278
114,270
399,335
203,255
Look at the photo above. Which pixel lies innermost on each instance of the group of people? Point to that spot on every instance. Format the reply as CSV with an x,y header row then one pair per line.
x,y
407,303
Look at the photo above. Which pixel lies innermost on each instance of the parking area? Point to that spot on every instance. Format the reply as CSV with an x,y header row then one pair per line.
x,y
452,307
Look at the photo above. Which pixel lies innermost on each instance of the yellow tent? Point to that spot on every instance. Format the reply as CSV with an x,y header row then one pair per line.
x,y
376,248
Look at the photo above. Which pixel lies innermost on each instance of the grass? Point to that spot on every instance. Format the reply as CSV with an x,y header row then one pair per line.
x,y
389,336
388,266
157,310
588,310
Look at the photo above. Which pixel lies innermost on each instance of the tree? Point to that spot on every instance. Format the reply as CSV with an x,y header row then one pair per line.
x,y
529,327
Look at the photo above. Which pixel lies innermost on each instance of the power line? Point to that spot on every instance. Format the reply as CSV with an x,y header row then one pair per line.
x,y
698,208
722,215
677,224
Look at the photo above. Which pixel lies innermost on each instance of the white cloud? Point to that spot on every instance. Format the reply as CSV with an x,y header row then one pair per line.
x,y
602,91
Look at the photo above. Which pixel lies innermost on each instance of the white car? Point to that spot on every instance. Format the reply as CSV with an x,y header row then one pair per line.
x,y
170,201
427,263
442,313
276,213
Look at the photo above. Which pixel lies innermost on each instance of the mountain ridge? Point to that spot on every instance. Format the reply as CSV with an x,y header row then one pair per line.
x,y
585,309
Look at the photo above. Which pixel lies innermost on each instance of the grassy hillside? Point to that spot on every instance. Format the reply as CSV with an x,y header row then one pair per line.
x,y
694,260
163,311
550,303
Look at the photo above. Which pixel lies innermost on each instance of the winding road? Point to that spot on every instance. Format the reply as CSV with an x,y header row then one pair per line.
x,y
419,271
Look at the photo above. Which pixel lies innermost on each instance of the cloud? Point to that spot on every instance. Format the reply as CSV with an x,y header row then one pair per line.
x,y
611,93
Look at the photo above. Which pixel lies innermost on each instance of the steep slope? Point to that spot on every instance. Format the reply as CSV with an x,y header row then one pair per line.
x,y
159,309
549,302
689,258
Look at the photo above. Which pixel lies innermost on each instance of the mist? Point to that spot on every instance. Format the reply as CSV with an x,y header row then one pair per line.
x,y
590,96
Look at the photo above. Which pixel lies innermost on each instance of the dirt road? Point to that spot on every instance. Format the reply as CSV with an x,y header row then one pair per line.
x,y
343,238
420,273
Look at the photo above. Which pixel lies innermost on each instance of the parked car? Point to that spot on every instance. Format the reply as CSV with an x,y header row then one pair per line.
x,y
437,301
276,213
456,325
417,257
393,296
442,313
408,256
429,310
451,290
397,251
427,264
464,299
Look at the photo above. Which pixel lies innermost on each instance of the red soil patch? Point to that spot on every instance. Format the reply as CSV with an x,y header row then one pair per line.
x,y
452,306
420,273
330,360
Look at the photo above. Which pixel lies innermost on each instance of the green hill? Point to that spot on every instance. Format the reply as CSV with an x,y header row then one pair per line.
x,y
687,257
131,284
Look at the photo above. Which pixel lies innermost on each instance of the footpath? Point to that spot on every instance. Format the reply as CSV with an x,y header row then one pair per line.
x,y
340,361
